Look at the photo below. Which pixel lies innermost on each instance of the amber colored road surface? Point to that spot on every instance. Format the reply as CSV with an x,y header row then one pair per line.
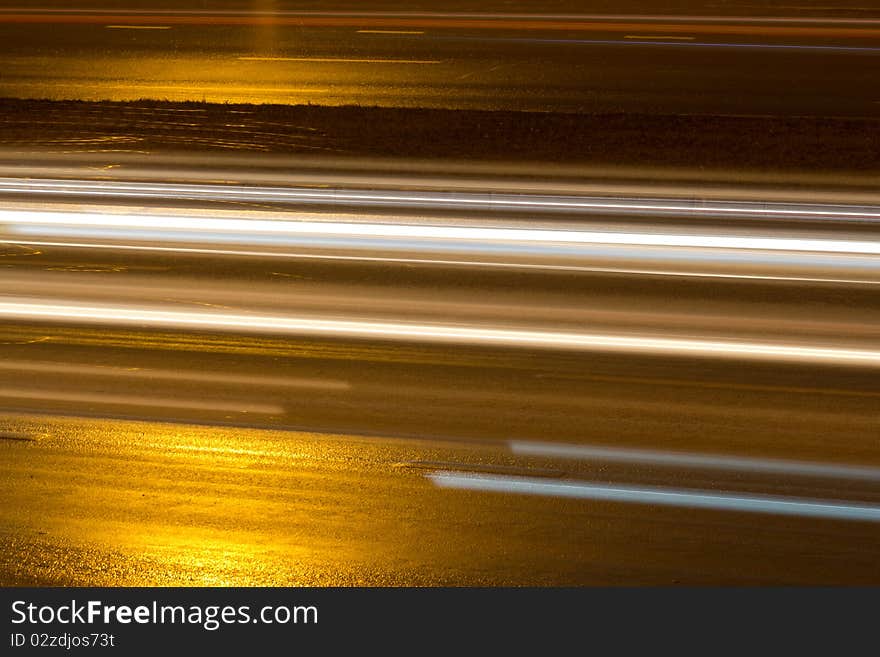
x,y
129,503
631,57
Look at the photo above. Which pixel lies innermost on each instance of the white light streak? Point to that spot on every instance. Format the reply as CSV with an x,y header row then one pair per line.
x,y
442,200
183,228
108,314
692,499
693,460
440,261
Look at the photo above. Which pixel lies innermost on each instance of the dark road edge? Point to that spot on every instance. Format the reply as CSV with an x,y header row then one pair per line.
x,y
773,143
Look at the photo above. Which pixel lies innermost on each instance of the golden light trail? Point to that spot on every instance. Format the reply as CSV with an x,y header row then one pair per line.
x,y
339,60
390,31
125,315
663,37
138,27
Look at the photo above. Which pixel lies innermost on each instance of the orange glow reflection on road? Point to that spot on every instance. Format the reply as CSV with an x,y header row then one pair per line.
x,y
163,505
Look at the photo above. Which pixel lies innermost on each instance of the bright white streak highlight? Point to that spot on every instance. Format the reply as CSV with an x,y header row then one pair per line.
x,y
693,460
534,202
439,261
36,223
440,333
660,496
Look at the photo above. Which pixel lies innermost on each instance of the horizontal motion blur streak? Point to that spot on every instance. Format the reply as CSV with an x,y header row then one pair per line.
x,y
35,310
836,510
74,224
524,22
170,375
693,460
774,252
590,205
137,400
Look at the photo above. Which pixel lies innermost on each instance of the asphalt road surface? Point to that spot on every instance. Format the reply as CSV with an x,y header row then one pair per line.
x,y
126,503
402,384
635,58
326,373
